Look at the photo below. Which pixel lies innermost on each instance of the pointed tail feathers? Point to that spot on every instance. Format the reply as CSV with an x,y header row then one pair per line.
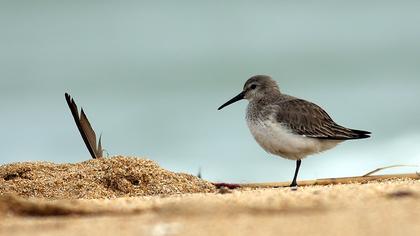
x,y
360,134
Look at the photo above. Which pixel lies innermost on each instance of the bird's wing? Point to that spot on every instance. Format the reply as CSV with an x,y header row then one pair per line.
x,y
308,119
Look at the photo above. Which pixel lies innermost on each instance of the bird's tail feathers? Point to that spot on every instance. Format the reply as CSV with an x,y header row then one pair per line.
x,y
360,134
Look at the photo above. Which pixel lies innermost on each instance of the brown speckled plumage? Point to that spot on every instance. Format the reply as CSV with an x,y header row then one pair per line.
x,y
300,116
287,126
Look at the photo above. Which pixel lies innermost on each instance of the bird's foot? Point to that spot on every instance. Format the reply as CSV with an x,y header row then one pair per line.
x,y
293,186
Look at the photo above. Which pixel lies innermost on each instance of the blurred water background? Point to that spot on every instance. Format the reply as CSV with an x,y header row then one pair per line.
x,y
151,75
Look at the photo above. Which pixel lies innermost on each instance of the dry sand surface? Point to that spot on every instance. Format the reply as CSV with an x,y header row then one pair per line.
x,y
390,207
97,178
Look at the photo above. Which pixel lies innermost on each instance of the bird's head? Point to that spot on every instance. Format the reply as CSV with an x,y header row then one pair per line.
x,y
256,87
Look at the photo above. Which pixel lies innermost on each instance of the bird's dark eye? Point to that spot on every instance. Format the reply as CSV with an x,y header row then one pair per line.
x,y
254,86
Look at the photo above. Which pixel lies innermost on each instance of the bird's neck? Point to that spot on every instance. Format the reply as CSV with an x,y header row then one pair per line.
x,y
266,98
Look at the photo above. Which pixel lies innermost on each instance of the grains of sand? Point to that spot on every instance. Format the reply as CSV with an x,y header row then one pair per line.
x,y
97,178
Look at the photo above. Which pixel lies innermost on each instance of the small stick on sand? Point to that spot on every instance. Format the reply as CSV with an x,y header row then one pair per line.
x,y
327,181
386,167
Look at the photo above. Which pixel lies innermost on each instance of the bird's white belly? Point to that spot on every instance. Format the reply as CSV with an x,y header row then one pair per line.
x,y
277,139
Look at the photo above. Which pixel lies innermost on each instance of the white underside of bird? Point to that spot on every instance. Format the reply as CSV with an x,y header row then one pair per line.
x,y
277,139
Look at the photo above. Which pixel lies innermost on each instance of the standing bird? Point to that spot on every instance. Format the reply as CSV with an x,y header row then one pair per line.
x,y
287,126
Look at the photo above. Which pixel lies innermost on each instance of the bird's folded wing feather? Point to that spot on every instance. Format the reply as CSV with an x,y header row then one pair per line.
x,y
85,129
308,119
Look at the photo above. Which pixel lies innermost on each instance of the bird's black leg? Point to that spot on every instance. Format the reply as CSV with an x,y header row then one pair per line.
x,y
294,183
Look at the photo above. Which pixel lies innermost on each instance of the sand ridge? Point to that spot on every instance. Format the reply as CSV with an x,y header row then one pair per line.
x,y
132,196
96,178
389,207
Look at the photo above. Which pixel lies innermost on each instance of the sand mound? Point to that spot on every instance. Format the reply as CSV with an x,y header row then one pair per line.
x,y
97,178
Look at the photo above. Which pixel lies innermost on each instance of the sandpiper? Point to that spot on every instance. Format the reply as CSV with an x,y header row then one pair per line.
x,y
287,126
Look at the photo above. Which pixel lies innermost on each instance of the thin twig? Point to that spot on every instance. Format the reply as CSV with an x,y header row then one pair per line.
x,y
387,167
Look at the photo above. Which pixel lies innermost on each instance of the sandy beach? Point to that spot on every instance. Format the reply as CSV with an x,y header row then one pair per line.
x,y
390,207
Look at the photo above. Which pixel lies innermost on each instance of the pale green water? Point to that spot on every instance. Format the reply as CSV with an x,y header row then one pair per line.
x,y
151,76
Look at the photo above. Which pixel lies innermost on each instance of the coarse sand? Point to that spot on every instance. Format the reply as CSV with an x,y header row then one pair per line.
x,y
130,196
96,178
390,207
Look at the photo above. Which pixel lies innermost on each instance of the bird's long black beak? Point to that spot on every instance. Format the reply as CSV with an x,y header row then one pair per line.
x,y
235,99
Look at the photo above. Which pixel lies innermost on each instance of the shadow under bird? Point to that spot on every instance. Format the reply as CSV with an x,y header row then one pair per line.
x,y
287,126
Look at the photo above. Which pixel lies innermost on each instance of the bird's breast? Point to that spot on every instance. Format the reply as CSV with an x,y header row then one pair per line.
x,y
278,139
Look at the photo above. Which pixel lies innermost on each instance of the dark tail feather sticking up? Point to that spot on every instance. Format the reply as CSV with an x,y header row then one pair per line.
x,y
85,129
